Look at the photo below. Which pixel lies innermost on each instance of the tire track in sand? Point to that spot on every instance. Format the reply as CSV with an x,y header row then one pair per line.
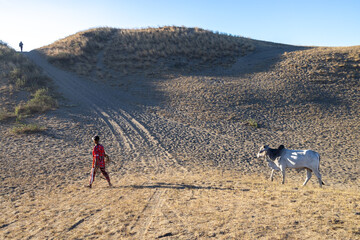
x,y
68,87
143,222
80,91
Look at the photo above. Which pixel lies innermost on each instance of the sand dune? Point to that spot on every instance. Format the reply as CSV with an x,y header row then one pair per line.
x,y
183,150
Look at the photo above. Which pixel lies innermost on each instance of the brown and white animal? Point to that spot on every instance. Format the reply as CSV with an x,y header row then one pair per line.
x,y
281,158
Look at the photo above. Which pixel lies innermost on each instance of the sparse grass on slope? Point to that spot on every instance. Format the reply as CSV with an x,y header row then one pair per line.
x,y
19,72
317,82
78,52
19,80
147,50
325,65
173,48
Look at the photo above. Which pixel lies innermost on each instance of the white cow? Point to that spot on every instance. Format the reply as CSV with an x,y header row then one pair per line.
x,y
281,158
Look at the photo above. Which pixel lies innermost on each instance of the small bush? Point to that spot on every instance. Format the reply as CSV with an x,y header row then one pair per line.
x,y
28,128
252,122
41,102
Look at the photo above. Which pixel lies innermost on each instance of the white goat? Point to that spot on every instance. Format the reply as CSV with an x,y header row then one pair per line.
x,y
282,158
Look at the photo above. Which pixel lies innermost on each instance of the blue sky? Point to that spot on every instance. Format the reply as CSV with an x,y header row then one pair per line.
x,y
298,22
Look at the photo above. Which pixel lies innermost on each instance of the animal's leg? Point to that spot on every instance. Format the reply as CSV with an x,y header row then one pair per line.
x,y
308,176
318,175
272,175
283,174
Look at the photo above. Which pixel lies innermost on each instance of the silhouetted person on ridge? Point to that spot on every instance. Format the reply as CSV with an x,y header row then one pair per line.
x,y
21,45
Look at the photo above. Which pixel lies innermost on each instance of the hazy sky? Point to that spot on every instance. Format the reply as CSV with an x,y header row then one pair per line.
x,y
298,22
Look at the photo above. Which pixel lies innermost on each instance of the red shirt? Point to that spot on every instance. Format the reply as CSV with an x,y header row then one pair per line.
x,y
98,156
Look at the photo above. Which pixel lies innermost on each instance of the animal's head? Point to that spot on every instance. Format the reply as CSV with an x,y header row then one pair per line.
x,y
262,151
271,153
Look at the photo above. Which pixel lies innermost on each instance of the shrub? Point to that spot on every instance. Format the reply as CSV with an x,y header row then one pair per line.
x,y
41,102
252,122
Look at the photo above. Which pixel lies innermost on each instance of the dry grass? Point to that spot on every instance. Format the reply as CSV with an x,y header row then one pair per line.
x,y
5,115
150,50
325,65
203,205
78,52
27,129
172,49
42,101
20,72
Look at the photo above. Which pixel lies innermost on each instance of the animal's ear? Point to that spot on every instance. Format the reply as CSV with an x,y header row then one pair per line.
x,y
281,147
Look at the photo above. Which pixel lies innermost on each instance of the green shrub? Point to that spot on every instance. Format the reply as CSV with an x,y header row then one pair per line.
x,y
252,122
41,102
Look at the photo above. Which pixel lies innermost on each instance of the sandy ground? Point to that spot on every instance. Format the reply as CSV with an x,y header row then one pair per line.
x,y
157,150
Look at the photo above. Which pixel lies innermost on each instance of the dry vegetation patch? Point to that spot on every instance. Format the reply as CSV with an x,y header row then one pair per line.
x,y
28,128
173,49
78,52
25,90
41,102
325,65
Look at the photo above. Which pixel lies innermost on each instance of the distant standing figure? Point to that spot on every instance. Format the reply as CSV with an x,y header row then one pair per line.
x,y
21,45
98,161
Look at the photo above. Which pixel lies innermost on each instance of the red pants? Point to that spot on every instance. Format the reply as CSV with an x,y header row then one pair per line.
x,y
93,173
